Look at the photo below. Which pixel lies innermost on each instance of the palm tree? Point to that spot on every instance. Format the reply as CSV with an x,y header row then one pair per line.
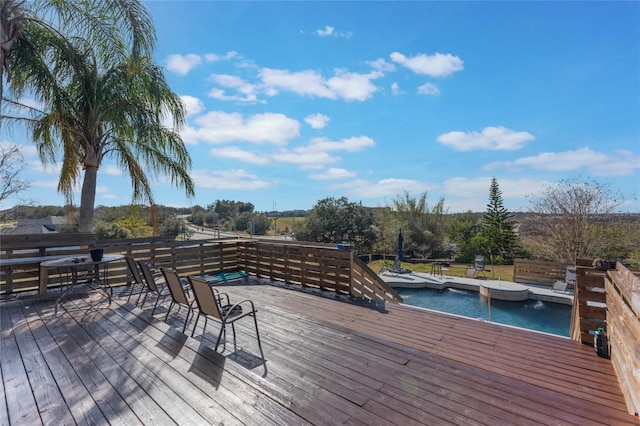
x,y
116,113
108,25
100,103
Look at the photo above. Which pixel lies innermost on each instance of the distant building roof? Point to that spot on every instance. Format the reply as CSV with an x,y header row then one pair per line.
x,y
36,226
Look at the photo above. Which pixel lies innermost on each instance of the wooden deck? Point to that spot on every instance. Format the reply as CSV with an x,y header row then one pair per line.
x,y
328,362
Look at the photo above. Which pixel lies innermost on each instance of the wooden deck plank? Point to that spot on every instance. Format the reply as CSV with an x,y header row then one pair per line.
x,y
385,374
51,404
171,350
197,356
328,362
80,402
584,390
162,384
19,399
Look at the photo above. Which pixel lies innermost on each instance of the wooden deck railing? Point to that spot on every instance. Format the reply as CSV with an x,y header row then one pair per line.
x,y
317,266
609,297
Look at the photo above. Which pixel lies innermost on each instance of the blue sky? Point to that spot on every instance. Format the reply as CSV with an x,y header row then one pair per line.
x,y
292,102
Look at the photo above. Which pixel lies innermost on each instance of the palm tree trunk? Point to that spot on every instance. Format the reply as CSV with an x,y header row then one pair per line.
x,y
87,199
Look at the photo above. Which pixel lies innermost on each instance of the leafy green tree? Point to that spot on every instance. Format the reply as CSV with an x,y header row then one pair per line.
x,y
36,33
499,236
173,226
336,221
104,104
261,224
111,231
423,226
463,230
135,224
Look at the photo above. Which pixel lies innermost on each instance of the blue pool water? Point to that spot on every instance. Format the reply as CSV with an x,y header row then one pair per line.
x,y
548,317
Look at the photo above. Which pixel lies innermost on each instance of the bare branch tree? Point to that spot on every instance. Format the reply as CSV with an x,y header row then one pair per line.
x,y
571,219
11,166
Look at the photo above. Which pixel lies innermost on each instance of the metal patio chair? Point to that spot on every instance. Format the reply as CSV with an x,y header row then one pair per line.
x,y
212,305
178,295
152,286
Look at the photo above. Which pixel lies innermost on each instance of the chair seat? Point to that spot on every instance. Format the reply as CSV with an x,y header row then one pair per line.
x,y
237,310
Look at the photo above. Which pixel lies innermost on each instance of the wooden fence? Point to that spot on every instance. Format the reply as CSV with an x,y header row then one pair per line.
x,y
608,296
540,272
623,325
322,267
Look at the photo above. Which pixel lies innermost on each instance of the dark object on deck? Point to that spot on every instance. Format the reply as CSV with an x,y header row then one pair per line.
x,y
96,254
600,343
397,264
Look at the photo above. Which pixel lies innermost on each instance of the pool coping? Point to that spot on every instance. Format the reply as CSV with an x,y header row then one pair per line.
x,y
497,289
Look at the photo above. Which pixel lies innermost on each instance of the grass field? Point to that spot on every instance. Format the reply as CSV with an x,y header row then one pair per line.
x,y
286,224
503,272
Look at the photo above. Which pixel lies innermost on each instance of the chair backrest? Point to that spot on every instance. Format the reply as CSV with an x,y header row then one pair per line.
x,y
175,287
148,276
133,268
570,274
205,298
479,263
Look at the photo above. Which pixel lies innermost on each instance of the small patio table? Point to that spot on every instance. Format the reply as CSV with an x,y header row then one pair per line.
x,y
74,263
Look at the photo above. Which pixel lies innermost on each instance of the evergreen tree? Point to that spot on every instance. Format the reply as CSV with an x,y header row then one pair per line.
x,y
498,231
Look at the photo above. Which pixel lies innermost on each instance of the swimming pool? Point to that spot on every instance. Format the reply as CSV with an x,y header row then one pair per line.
x,y
547,317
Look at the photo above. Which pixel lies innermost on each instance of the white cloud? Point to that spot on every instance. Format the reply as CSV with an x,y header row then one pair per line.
x,y
395,89
26,150
212,57
326,31
621,163
37,166
491,138
333,174
193,105
463,194
428,89
382,65
183,64
352,144
329,31
437,65
238,180
317,121
110,169
383,188
51,184
239,154
247,90
221,127
344,85
316,153
307,159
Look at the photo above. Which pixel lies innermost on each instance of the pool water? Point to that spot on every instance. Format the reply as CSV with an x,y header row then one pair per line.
x,y
547,317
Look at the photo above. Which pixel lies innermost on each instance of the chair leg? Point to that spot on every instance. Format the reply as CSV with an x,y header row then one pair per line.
x,y
155,305
235,341
222,330
195,325
169,310
186,321
144,299
255,321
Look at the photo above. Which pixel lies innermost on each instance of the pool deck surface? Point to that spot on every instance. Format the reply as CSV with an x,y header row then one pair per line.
x,y
329,361
499,289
